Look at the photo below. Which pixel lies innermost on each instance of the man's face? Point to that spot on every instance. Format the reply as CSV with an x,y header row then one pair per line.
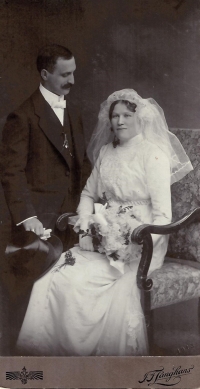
x,y
61,78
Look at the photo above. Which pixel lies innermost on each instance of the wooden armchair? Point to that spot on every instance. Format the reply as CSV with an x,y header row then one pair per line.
x,y
178,279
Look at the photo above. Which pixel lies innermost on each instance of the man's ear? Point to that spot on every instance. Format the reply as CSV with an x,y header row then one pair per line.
x,y
44,74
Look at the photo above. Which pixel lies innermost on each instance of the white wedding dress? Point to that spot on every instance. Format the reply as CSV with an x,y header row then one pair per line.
x,y
91,308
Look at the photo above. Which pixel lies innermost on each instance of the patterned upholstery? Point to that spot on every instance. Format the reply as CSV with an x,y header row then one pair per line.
x,y
173,283
176,282
185,243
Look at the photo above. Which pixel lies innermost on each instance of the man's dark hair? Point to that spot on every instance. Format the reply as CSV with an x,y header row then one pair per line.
x,y
49,54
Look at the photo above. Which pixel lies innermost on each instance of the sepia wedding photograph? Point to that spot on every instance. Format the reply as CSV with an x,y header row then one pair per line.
x,y
100,193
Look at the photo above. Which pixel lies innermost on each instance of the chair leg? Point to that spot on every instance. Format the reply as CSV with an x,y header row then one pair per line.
x,y
148,313
151,332
154,350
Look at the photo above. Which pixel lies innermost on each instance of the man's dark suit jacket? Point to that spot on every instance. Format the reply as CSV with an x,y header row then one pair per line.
x,y
40,177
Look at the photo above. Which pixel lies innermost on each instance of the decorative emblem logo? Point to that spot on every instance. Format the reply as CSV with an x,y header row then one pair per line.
x,y
24,375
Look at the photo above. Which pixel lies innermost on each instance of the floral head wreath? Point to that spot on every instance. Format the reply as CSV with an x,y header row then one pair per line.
x,y
152,126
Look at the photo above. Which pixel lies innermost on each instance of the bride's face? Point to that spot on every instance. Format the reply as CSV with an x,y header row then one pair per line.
x,y
124,123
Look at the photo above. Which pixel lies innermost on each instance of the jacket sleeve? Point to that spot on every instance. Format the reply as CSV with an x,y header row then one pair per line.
x,y
14,155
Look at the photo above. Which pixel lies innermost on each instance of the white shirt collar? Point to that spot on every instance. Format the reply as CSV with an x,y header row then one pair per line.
x,y
50,97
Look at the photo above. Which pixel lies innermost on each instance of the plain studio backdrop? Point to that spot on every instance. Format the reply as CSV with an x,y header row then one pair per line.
x,y
149,45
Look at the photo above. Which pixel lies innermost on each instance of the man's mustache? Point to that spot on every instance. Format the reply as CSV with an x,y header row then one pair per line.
x,y
67,86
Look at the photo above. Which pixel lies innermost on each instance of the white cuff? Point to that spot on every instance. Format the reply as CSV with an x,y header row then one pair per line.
x,y
18,224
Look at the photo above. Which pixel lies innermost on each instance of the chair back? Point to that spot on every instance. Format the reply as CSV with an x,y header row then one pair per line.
x,y
185,244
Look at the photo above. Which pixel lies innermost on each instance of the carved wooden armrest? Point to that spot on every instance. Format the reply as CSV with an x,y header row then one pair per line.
x,y
142,235
63,220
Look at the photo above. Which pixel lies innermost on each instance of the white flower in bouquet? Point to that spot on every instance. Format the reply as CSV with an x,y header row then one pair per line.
x,y
111,230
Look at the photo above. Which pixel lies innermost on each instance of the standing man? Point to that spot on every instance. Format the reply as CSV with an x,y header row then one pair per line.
x,y
44,164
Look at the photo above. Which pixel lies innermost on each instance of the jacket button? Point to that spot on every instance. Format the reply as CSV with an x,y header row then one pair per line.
x,y
67,173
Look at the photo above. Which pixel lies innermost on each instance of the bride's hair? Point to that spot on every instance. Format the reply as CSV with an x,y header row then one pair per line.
x,y
131,106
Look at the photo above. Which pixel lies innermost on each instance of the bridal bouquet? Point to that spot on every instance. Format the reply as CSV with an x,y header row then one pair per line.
x,y
110,228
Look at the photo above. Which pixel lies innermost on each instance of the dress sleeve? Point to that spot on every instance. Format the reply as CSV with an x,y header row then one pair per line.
x,y
89,194
158,178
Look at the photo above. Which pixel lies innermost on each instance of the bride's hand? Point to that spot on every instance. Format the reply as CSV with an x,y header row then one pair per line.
x,y
85,243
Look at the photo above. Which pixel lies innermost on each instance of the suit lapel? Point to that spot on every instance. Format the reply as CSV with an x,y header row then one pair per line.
x,y
50,125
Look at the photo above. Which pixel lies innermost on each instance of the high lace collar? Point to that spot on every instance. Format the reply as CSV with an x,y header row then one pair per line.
x,y
132,142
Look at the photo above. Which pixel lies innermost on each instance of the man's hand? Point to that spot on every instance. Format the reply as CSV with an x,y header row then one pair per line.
x,y
34,225
85,243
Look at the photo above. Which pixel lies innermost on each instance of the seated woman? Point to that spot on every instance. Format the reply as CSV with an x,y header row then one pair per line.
x,y
93,306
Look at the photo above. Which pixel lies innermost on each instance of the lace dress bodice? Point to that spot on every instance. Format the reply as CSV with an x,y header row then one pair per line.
x,y
137,173
121,181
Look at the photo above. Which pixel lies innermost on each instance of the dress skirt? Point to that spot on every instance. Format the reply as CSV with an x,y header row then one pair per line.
x,y
86,309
